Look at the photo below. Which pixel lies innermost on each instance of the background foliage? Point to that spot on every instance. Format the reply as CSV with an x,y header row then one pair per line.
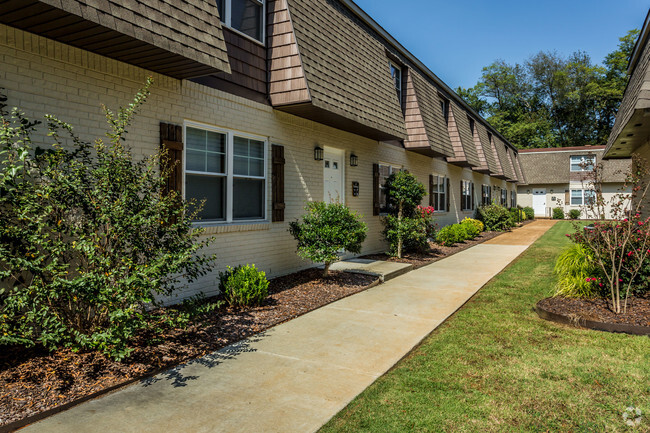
x,y
551,100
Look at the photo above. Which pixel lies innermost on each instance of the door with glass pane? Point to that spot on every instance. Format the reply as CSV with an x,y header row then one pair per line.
x,y
333,169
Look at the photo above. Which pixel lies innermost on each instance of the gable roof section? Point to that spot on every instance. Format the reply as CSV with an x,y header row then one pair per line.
x,y
179,38
346,67
461,138
488,151
425,122
553,165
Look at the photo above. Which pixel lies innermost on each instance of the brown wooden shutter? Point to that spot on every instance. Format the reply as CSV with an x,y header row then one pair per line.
x,y
277,182
171,142
567,197
375,189
431,190
462,205
447,196
472,207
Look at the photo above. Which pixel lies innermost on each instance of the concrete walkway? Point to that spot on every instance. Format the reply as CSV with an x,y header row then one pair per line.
x,y
298,375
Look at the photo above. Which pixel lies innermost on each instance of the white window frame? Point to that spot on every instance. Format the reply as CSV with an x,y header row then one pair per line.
x,y
583,159
442,190
393,169
226,20
584,193
230,158
466,185
486,193
504,197
398,83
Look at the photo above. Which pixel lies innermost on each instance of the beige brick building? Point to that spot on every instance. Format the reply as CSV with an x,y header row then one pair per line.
x,y
247,88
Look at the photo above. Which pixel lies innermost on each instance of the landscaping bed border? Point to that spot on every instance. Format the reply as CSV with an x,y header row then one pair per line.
x,y
581,322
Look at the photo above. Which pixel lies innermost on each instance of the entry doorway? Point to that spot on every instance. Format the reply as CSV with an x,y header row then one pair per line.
x,y
539,202
333,176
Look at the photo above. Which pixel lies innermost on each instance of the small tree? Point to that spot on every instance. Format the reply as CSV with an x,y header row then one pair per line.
x,y
620,247
88,236
403,194
326,230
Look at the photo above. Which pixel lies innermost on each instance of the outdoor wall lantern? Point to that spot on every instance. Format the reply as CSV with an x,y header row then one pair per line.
x,y
318,153
527,191
354,160
551,191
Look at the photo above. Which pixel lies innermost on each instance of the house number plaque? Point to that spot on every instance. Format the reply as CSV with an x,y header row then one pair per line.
x,y
355,189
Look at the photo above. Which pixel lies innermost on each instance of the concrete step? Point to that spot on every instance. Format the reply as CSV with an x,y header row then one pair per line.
x,y
384,270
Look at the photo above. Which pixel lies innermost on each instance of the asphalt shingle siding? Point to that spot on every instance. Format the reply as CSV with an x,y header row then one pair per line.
x,y
189,28
434,122
487,148
555,167
637,94
346,66
466,137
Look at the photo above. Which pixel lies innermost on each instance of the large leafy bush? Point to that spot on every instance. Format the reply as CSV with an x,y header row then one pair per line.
x,y
574,214
471,229
530,213
88,237
558,213
404,226
452,234
495,217
326,230
243,286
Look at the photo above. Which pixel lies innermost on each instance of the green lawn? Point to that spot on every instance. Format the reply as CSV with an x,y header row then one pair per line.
x,y
496,367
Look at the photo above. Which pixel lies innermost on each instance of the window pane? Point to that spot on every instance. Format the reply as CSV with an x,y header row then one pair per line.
x,y
240,146
208,188
256,149
195,139
241,165
246,16
215,142
195,160
590,196
248,199
216,163
256,167
576,197
221,10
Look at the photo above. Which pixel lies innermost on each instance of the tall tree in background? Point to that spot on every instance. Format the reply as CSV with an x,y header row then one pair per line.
x,y
553,101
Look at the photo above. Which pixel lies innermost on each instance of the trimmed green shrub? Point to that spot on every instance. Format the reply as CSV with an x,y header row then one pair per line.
x,y
326,230
90,237
517,215
530,213
558,213
404,226
243,286
451,234
494,217
577,273
574,214
470,228
479,225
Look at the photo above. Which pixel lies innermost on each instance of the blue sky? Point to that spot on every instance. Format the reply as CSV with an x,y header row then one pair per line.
x,y
457,38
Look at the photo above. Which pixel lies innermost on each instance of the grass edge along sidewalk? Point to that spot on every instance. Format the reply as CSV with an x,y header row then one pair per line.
x,y
496,367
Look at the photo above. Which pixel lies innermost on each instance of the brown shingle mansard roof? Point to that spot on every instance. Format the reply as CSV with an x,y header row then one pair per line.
x,y
552,165
179,38
346,66
632,125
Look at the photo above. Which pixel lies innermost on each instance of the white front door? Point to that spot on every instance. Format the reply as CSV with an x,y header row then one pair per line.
x,y
333,172
539,202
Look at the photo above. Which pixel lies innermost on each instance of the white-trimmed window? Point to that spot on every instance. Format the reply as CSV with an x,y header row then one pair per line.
x,y
513,198
385,170
581,197
504,197
486,195
439,193
245,16
583,163
396,74
466,195
226,170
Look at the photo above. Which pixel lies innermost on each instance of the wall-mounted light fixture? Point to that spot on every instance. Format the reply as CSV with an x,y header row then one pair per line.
x,y
551,191
318,153
354,160
527,191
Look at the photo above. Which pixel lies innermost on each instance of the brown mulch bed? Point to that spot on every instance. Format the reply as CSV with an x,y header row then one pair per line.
x,y
599,310
32,381
435,253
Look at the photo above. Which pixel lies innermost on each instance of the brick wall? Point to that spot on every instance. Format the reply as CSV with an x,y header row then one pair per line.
x,y
44,77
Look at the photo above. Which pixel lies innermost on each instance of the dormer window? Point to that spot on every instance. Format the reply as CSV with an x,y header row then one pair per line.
x,y
244,16
396,73
444,105
471,124
583,163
